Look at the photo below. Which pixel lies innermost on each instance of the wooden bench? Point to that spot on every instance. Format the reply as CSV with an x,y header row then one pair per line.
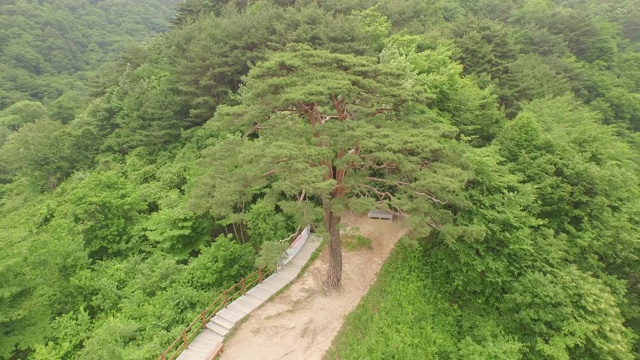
x,y
380,214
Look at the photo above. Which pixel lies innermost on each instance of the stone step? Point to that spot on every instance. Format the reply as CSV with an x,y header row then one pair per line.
x,y
224,322
297,262
193,354
289,268
261,293
217,328
244,306
288,274
210,340
202,346
255,298
240,308
206,337
254,291
278,282
251,300
230,315
249,304
271,288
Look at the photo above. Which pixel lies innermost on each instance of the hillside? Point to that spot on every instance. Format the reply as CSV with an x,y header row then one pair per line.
x,y
51,50
136,185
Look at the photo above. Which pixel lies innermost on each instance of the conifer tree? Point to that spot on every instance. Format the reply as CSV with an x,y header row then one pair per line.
x,y
339,130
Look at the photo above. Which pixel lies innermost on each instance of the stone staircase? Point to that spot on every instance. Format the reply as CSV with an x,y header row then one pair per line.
x,y
209,342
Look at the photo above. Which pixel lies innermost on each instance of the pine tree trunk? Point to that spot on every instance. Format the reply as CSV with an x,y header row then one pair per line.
x,y
334,274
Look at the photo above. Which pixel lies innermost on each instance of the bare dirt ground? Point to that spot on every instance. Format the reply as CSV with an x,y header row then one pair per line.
x,y
301,322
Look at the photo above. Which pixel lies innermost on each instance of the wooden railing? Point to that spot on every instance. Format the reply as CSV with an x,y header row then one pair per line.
x,y
190,333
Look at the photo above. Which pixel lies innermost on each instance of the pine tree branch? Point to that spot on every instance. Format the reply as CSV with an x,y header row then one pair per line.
x,y
384,181
325,118
252,130
434,224
338,105
432,198
381,194
290,109
381,110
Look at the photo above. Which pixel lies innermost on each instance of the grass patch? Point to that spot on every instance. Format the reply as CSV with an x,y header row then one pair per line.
x,y
356,242
403,317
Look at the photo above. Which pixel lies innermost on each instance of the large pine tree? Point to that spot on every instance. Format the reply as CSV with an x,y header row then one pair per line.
x,y
343,132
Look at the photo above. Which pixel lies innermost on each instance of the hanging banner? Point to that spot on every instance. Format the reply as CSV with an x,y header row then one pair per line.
x,y
295,247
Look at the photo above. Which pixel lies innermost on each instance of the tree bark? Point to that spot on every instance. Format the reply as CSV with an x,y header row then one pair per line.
x,y
333,280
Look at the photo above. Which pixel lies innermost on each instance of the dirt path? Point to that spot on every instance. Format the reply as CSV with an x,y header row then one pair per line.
x,y
301,322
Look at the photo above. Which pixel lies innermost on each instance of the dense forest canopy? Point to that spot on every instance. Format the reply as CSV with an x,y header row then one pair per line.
x,y
140,177
50,50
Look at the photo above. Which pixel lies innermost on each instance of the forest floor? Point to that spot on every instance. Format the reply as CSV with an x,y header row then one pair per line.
x,y
301,322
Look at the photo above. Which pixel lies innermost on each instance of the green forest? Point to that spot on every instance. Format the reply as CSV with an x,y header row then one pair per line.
x,y
51,51
152,152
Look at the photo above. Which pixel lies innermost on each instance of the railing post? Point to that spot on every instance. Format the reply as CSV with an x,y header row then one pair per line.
x,y
244,287
184,339
163,356
224,297
260,276
204,322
